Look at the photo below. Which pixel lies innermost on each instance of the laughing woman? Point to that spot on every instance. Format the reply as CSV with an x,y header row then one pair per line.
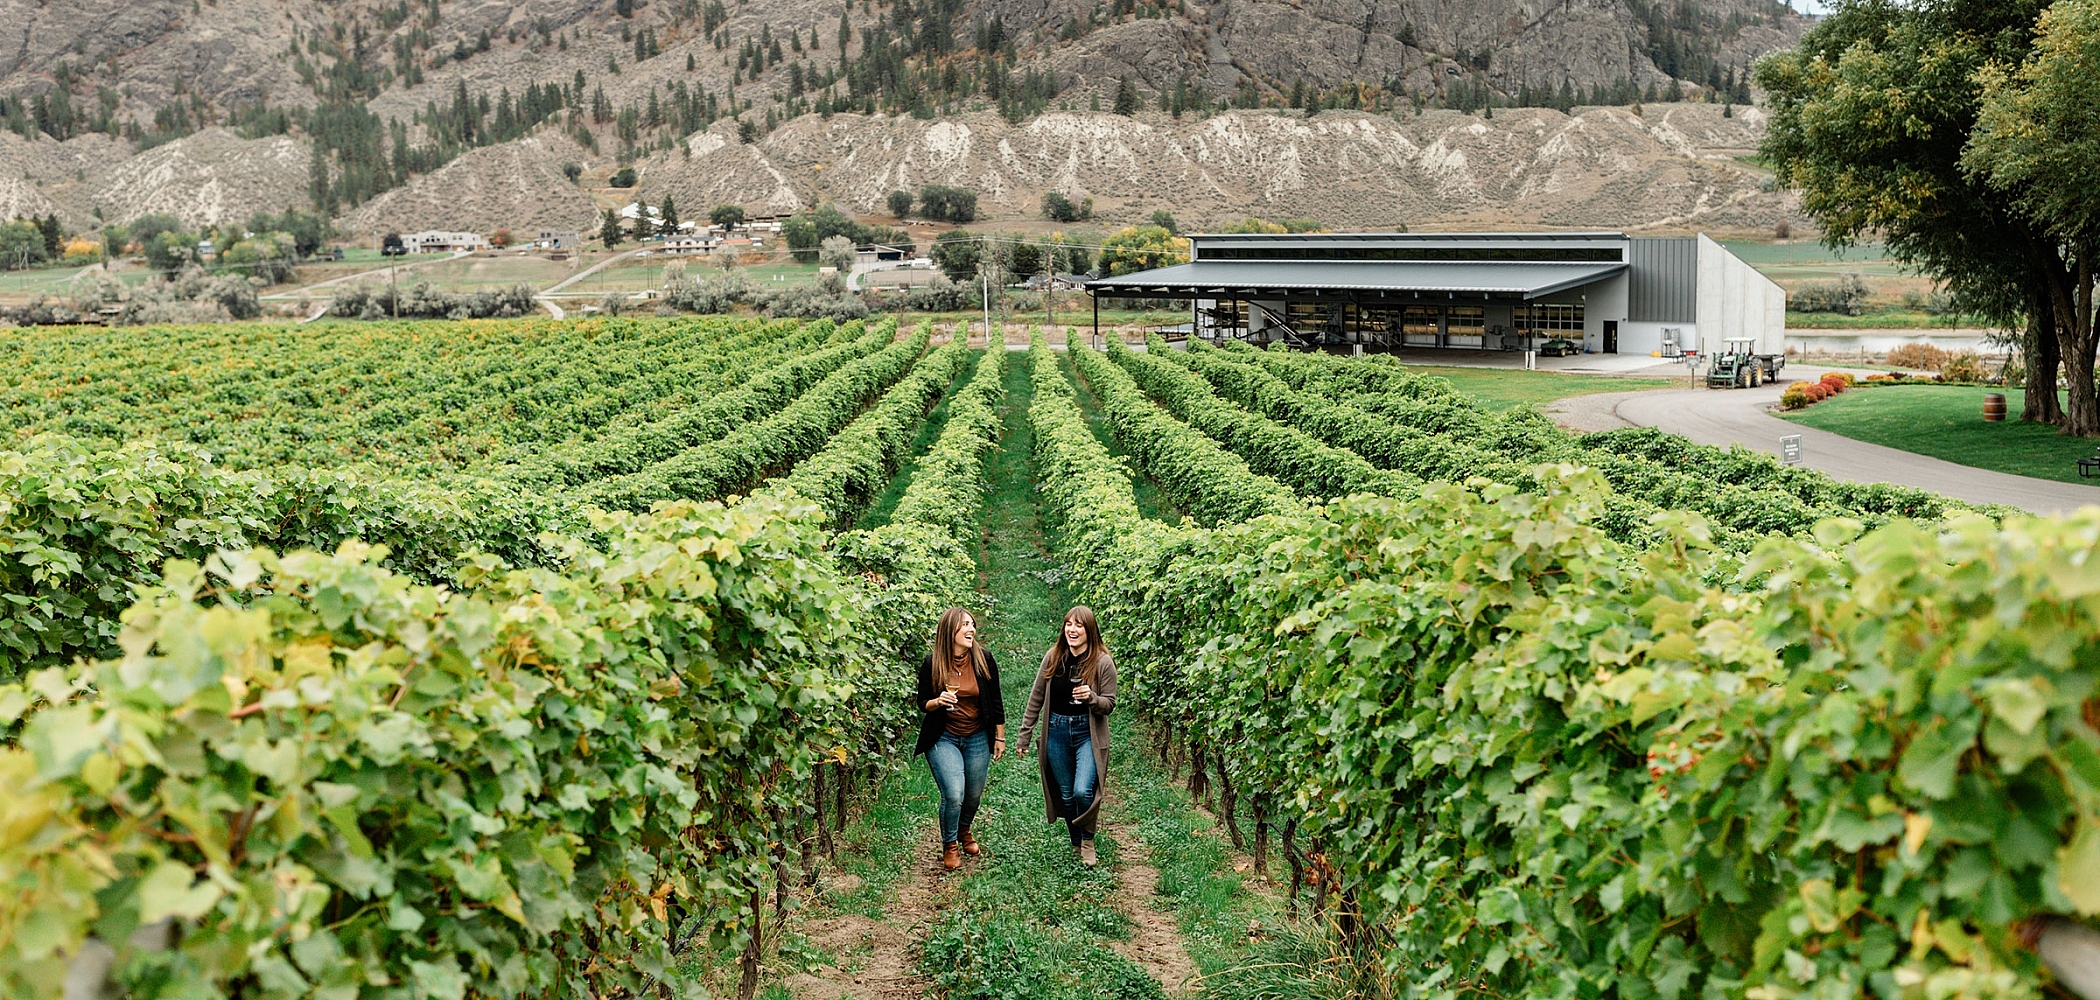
x,y
964,727
1074,692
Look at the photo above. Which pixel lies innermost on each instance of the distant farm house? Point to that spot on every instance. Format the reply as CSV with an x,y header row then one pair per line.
x,y
690,244
433,241
557,239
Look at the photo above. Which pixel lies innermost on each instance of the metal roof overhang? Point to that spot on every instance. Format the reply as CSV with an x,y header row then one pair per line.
x,y
1239,279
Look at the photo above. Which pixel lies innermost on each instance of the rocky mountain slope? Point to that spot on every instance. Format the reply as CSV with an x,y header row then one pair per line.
x,y
207,178
1671,165
159,72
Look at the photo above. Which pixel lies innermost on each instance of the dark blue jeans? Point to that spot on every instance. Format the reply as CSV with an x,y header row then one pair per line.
x,y
1071,756
960,764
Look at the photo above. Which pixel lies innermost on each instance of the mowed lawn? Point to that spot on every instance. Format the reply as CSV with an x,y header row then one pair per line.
x,y
1501,389
1946,422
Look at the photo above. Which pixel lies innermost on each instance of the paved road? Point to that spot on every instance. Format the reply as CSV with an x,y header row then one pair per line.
x,y
1740,416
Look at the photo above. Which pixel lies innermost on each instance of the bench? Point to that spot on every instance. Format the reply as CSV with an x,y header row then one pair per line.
x,y
2089,466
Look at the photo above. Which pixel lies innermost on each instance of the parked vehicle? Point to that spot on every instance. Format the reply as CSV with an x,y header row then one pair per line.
x,y
1739,366
1559,347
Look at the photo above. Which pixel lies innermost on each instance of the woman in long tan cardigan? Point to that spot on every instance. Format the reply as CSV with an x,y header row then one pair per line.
x,y
1075,690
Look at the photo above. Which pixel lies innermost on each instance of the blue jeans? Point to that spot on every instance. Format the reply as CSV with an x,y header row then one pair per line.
x,y
1071,756
960,764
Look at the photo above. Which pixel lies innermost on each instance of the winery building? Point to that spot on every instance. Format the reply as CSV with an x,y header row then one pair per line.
x,y
1610,292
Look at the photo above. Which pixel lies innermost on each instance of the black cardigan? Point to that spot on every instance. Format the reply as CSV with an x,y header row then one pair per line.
x,y
991,709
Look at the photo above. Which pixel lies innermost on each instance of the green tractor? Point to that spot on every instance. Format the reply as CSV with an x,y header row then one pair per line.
x,y
1739,366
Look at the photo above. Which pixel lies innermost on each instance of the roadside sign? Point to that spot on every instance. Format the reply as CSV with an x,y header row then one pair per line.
x,y
1790,450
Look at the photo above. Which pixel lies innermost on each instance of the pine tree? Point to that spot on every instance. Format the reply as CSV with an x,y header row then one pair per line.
x,y
609,229
670,216
54,236
1126,98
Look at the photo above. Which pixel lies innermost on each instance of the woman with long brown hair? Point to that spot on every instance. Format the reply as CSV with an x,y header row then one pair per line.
x,y
1074,693
963,729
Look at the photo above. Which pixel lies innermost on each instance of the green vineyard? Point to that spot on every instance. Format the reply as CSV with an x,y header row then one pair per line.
x,y
533,658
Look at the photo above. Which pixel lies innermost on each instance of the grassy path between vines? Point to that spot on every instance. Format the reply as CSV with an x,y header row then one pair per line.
x,y
1165,908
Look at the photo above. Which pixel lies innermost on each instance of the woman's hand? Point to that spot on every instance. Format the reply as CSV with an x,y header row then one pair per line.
x,y
998,747
944,700
1081,692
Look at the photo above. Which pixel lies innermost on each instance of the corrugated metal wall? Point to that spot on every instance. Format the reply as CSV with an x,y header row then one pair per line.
x,y
1663,283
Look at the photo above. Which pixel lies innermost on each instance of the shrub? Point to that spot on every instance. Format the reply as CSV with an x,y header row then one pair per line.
x,y
806,302
1846,296
1058,208
1964,367
838,252
1794,397
623,178
707,297
80,251
424,301
938,295
1923,357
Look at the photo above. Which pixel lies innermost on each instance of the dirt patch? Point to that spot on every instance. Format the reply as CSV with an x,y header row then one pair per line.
x,y
874,959
1155,939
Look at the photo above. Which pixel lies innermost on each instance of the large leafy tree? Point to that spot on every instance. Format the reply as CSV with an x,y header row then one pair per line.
x,y
1869,119
1142,248
2037,141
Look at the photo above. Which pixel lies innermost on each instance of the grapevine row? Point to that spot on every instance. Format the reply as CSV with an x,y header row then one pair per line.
x,y
747,454
621,736
858,462
625,449
413,396
1533,760
1382,387
1212,484
1316,470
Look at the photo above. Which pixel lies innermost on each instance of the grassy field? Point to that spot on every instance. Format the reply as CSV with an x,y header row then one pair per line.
x,y
1894,318
1502,389
41,280
1946,422
474,273
1793,265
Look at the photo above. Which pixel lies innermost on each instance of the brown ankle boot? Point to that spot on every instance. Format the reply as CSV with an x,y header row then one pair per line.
x,y
951,857
970,845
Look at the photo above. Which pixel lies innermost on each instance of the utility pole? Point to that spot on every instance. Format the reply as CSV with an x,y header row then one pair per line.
x,y
984,274
1050,284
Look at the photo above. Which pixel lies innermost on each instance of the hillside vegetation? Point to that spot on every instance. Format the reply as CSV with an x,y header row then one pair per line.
x,y
375,95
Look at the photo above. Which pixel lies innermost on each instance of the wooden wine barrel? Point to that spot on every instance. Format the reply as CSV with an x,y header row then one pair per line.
x,y
1994,407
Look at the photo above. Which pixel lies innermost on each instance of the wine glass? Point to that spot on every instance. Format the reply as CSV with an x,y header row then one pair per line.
x,y
951,684
1078,677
